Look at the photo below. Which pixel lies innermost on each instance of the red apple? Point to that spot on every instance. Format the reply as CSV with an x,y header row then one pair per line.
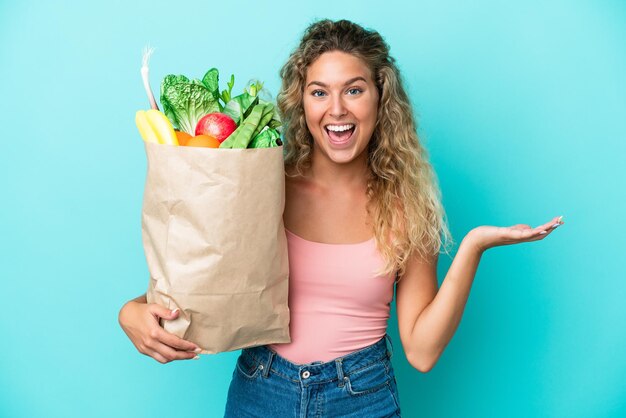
x,y
218,125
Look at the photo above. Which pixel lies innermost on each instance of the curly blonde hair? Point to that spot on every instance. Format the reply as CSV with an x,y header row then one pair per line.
x,y
404,199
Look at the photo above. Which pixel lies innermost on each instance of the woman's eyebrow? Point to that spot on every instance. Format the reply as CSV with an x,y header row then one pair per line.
x,y
352,80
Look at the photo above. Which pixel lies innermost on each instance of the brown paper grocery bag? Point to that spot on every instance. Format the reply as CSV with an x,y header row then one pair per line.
x,y
215,244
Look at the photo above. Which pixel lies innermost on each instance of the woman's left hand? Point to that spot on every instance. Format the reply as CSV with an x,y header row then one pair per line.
x,y
485,237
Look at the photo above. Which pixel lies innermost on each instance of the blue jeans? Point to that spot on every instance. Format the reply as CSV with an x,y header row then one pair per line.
x,y
360,384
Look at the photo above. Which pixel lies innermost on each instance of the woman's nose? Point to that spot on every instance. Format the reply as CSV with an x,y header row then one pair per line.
x,y
337,107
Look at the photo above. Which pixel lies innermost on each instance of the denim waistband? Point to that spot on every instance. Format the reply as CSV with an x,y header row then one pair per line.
x,y
319,372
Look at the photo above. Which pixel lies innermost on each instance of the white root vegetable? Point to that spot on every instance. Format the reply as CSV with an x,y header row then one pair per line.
x,y
147,52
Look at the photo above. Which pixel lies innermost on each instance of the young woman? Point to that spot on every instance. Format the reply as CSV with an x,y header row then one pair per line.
x,y
362,213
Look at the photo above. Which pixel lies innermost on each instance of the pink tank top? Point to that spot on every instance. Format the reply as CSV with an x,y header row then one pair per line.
x,y
337,303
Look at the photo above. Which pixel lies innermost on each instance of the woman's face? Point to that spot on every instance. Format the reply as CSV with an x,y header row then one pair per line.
x,y
340,106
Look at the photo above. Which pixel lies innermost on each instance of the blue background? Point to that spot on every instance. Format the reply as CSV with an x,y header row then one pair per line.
x,y
522,108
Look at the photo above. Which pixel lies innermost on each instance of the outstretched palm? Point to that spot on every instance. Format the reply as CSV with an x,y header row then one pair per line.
x,y
485,237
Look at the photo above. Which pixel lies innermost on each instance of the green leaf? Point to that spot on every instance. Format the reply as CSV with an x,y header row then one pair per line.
x,y
267,138
211,82
234,110
239,107
226,94
249,102
185,102
168,108
231,83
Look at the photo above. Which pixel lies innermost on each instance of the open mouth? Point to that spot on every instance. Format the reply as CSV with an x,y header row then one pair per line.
x,y
340,134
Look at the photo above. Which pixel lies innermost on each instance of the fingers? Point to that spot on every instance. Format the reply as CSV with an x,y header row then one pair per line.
x,y
162,312
167,353
496,236
178,343
546,228
155,347
526,230
524,233
162,345
163,359
158,357
173,340
555,221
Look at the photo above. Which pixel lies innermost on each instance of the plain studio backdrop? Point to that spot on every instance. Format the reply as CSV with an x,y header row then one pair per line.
x,y
521,106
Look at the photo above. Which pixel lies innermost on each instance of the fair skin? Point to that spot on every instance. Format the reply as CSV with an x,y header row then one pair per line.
x,y
328,204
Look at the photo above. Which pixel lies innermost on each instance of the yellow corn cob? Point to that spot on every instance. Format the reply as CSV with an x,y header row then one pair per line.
x,y
162,127
145,128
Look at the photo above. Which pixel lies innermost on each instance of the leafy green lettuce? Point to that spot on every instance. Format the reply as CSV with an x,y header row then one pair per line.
x,y
267,138
186,101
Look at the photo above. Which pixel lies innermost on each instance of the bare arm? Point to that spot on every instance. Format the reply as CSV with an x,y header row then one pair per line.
x,y
428,317
141,299
434,322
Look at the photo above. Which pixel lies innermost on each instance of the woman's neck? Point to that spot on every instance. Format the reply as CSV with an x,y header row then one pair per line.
x,y
328,174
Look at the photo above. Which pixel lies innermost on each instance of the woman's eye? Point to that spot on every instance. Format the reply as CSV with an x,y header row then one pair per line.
x,y
353,91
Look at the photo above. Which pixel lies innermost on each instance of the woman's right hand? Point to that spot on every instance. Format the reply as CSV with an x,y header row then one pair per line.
x,y
140,321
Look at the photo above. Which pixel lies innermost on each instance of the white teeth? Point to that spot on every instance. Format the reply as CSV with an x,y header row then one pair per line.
x,y
339,128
